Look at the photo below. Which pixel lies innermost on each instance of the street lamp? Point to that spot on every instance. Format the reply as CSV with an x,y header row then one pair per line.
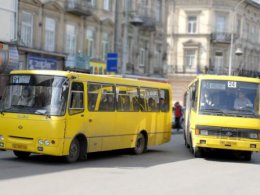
x,y
232,37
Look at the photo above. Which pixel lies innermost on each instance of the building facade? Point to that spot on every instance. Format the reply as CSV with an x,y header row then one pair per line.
x,y
53,34
9,58
199,39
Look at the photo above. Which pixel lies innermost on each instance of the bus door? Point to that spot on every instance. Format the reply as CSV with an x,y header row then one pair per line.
x,y
76,120
101,116
191,108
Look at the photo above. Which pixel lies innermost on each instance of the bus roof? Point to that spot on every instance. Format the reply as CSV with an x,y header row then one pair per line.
x,y
92,77
225,77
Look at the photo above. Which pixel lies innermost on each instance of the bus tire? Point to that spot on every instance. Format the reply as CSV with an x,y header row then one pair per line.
x,y
22,155
245,155
197,152
140,144
74,151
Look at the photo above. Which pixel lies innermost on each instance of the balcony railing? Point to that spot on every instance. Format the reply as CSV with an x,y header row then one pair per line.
x,y
221,37
79,7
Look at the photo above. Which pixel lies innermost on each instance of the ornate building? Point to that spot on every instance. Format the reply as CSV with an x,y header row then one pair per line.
x,y
199,39
50,32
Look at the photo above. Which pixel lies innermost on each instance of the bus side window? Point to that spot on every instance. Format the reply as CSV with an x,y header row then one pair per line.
x,y
142,100
76,98
194,95
164,100
149,99
107,101
93,90
127,97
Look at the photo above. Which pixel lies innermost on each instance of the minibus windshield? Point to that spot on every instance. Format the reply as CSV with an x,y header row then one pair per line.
x,y
35,94
229,98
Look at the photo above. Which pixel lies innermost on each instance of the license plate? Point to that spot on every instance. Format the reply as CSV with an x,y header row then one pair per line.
x,y
228,143
19,146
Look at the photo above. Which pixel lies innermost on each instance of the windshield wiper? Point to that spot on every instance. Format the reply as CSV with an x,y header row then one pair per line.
x,y
242,112
5,110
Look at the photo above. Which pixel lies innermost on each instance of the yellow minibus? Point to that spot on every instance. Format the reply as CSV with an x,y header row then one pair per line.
x,y
222,112
70,114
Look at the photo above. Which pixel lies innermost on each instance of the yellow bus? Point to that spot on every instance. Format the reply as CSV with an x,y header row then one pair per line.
x,y
222,112
70,114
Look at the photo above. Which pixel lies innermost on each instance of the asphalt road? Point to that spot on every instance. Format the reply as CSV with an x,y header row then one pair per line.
x,y
166,169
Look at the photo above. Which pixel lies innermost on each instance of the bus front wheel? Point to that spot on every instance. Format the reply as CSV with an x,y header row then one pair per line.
x,y
21,154
74,152
140,144
197,152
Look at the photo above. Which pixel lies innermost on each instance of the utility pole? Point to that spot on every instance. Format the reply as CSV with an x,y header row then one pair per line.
x,y
125,41
232,37
116,26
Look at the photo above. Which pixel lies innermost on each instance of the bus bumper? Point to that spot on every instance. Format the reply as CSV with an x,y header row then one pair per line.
x,y
228,144
55,148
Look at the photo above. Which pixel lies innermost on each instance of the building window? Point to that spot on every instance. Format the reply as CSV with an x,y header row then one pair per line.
x,y
192,24
189,57
105,45
91,3
50,26
253,34
143,8
158,11
238,25
90,36
220,24
219,61
70,39
129,5
27,29
141,57
108,5
158,56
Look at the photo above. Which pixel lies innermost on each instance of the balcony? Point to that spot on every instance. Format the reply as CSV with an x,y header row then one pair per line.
x,y
221,37
79,7
144,17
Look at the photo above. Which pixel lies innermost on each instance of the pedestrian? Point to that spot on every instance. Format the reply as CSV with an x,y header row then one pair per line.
x,y
178,115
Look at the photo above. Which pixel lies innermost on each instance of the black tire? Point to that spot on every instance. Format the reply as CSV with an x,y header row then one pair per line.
x,y
246,156
74,152
140,144
22,155
197,152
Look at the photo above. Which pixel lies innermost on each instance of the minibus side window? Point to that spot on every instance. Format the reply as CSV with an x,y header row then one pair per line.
x,y
76,98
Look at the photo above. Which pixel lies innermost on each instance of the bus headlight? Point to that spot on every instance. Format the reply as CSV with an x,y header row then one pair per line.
x,y
253,135
203,132
2,138
47,142
40,142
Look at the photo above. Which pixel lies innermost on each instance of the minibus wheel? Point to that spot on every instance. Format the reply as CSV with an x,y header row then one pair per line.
x,y
74,151
247,156
140,144
197,152
244,155
20,154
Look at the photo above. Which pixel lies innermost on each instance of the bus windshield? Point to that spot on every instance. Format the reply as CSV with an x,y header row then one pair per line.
x,y
229,98
36,94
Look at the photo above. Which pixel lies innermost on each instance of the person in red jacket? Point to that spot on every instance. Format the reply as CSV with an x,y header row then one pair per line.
x,y
178,115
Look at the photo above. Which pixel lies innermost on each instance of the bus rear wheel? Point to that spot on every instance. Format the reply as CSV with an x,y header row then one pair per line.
x,y
74,152
22,155
245,155
140,144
